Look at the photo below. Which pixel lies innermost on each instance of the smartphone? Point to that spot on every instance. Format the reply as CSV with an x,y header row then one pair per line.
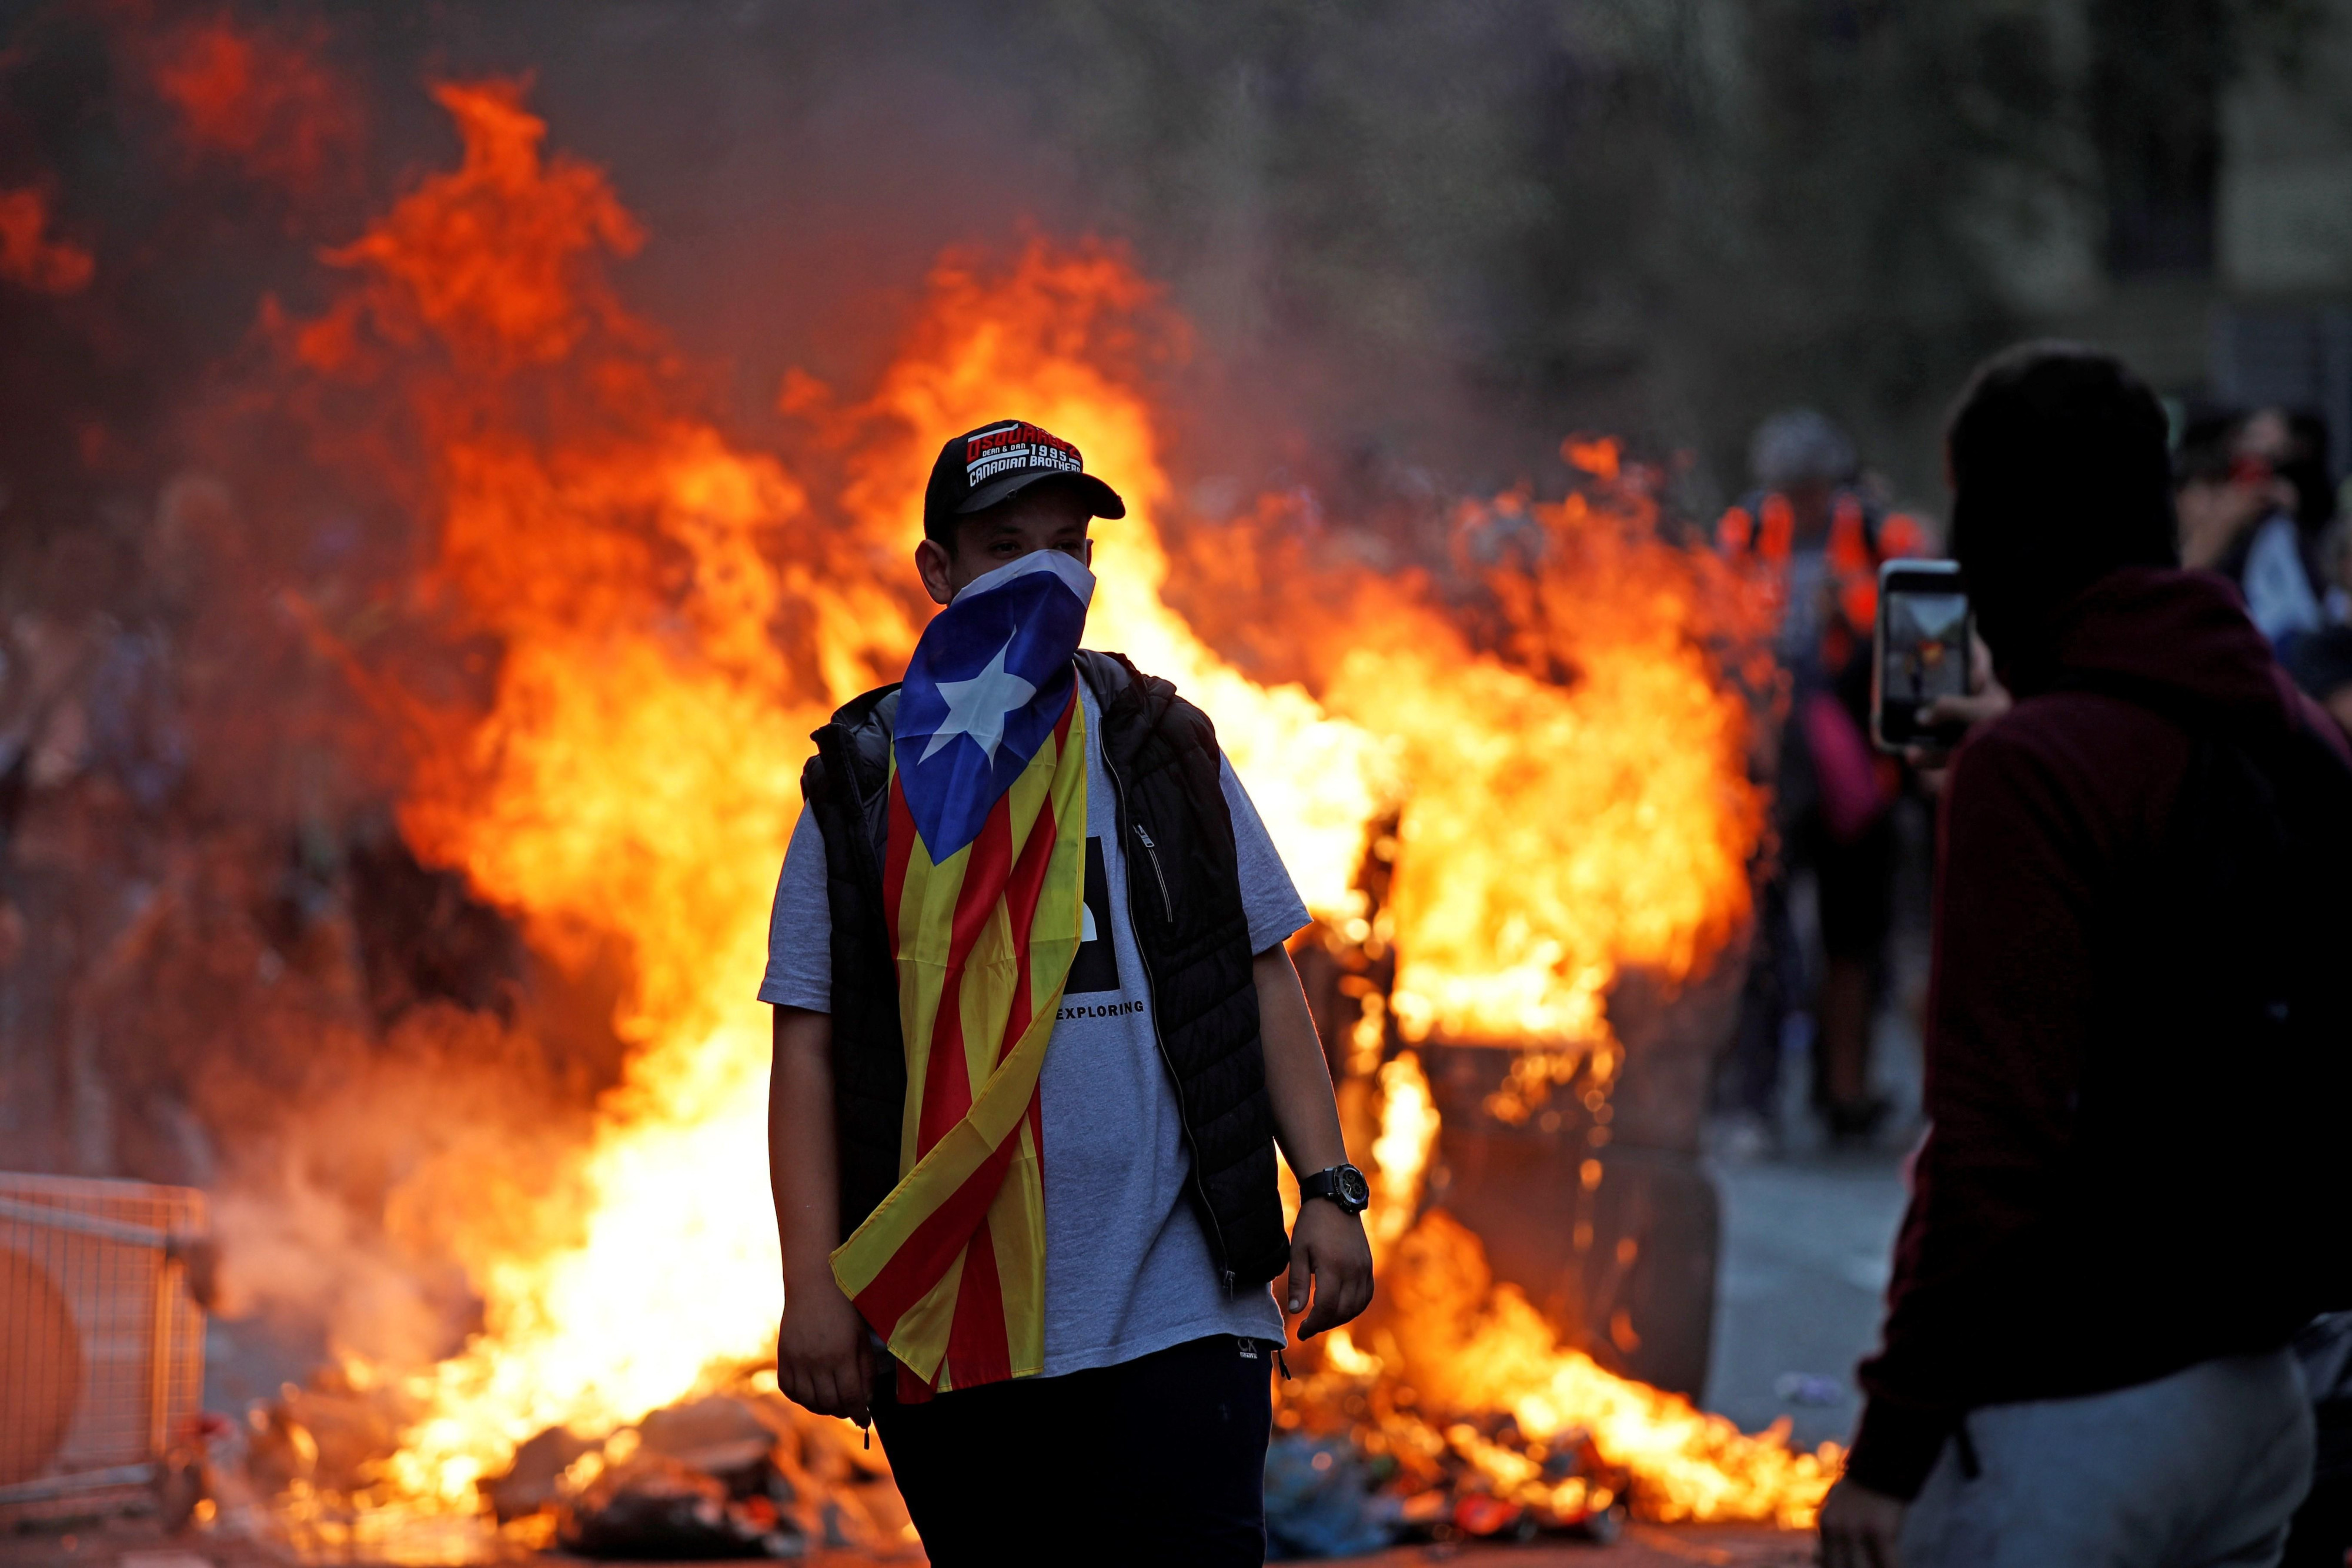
x,y
1919,651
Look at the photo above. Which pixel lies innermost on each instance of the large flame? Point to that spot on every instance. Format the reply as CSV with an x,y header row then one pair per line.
x,y
1036,341
1472,1346
677,613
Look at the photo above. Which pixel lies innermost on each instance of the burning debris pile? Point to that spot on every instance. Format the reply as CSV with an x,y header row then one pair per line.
x,y
1453,1407
1504,784
735,1472
730,1475
1471,1418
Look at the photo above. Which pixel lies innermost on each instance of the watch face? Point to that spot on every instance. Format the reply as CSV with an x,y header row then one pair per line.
x,y
1353,1190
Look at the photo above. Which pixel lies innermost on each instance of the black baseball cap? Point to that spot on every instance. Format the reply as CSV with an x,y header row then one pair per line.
x,y
1000,460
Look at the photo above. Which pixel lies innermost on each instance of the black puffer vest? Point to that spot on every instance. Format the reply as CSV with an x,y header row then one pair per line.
x,y
1183,896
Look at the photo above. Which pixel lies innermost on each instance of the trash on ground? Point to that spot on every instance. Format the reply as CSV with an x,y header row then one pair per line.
x,y
1341,1491
738,1473
1808,1388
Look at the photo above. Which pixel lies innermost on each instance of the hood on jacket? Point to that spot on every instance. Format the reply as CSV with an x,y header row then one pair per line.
x,y
2184,629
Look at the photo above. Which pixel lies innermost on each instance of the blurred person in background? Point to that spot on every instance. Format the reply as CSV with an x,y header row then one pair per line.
x,y
2217,500
1814,521
2133,1063
2321,664
2335,562
2322,1536
2256,503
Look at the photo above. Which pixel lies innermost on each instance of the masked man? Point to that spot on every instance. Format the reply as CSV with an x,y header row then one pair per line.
x,y
1036,1037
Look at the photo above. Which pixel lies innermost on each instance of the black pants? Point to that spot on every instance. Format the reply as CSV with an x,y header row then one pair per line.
x,y
1156,1461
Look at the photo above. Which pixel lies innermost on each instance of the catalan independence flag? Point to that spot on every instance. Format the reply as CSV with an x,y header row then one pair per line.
x,y
983,883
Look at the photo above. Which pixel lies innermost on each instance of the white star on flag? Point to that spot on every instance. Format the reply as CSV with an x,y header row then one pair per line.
x,y
977,708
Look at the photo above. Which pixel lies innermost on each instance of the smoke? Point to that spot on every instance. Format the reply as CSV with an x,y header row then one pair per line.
x,y
1414,244
343,1213
223,642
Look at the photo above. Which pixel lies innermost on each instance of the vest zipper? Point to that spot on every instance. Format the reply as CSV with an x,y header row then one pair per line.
x,y
1152,853
1152,983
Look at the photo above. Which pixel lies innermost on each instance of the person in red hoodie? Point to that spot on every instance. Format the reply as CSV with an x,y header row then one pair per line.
x,y
2133,1060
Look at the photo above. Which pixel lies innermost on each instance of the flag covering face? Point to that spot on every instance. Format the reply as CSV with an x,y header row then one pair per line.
x,y
983,883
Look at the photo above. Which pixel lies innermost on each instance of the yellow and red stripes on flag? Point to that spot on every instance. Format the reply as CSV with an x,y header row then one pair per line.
x,y
950,1268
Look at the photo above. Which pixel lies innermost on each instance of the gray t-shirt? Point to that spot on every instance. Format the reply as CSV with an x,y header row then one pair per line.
x,y
1127,1270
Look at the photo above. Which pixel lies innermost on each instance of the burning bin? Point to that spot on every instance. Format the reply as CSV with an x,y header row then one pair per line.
x,y
101,1338
1601,1214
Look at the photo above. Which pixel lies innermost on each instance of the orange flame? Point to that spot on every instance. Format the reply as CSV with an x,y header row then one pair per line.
x,y
1597,455
1472,1346
1553,834
30,256
675,618
1056,338
1400,1153
629,794
259,98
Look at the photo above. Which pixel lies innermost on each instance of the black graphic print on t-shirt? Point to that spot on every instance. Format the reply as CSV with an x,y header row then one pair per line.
x,y
1095,968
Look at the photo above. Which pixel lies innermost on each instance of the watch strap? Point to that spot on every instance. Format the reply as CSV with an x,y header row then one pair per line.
x,y
1325,1184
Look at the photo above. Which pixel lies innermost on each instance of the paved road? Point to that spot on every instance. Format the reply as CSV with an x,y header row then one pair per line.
x,y
1808,1237
1806,1245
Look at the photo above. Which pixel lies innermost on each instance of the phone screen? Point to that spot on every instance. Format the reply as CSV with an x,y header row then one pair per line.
x,y
1923,653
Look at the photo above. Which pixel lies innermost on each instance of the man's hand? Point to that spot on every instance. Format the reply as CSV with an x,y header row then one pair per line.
x,y
823,1363
1327,1250
2214,514
1987,700
1327,1246
1859,1528
823,1360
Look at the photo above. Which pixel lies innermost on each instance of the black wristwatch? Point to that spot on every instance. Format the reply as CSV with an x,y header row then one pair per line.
x,y
1343,1185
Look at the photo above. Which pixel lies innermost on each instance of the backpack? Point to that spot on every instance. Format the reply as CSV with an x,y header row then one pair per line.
x,y
2226,1093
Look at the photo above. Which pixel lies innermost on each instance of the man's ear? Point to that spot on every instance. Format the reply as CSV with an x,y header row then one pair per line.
x,y
935,567
1087,559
